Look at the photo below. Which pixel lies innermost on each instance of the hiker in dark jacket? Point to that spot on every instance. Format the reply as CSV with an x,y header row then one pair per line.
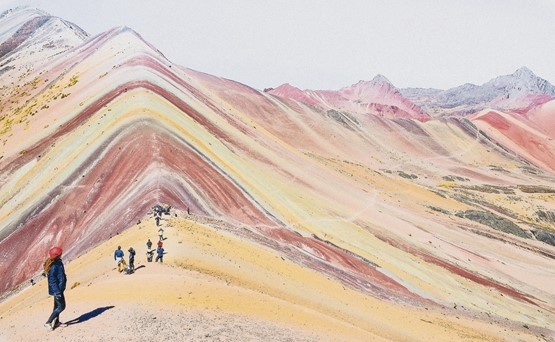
x,y
54,270
160,255
148,244
149,254
131,260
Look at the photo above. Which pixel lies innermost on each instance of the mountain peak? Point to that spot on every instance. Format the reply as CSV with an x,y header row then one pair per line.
x,y
380,79
524,72
285,87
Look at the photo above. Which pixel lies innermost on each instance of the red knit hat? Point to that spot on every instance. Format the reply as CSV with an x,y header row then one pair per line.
x,y
55,252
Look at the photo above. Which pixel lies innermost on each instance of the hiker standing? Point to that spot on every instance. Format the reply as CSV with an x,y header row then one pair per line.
x,y
54,270
157,221
118,257
148,244
160,254
131,260
161,233
149,254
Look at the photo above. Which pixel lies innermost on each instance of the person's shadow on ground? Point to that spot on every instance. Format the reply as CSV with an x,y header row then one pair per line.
x,y
89,315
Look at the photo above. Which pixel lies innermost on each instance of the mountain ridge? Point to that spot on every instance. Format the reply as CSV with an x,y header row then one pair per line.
x,y
378,97
521,89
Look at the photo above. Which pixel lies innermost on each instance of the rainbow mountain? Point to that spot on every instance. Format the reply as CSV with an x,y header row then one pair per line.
x,y
361,185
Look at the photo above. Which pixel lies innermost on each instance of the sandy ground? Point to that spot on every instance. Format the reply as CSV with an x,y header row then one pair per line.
x,y
138,307
198,295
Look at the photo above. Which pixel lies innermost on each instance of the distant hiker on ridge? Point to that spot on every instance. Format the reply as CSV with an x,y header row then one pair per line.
x,y
118,257
160,254
161,234
54,270
148,244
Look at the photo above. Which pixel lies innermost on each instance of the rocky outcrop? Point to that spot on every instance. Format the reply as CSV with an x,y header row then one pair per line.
x,y
494,221
544,236
536,189
546,216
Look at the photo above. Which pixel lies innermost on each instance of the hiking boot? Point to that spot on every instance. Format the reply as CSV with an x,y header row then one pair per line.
x,y
60,325
48,326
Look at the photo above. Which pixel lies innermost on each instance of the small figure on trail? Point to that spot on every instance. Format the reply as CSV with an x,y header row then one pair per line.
x,y
149,254
158,210
188,211
157,221
161,234
148,244
167,209
160,254
54,270
118,257
131,267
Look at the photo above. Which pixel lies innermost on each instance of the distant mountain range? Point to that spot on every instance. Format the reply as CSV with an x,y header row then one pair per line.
x,y
377,96
517,92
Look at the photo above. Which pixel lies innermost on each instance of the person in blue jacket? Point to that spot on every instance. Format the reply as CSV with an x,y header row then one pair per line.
x,y
160,254
54,271
118,257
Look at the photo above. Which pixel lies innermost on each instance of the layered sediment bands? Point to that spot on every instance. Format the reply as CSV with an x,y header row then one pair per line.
x,y
22,34
357,271
523,139
457,270
41,146
140,166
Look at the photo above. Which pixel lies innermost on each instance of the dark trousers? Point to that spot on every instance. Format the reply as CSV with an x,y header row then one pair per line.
x,y
159,257
59,306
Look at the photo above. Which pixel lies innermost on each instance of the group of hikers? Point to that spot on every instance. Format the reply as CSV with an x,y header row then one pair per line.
x,y
119,255
55,273
122,266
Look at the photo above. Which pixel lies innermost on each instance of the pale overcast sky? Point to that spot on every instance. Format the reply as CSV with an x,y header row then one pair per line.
x,y
330,44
